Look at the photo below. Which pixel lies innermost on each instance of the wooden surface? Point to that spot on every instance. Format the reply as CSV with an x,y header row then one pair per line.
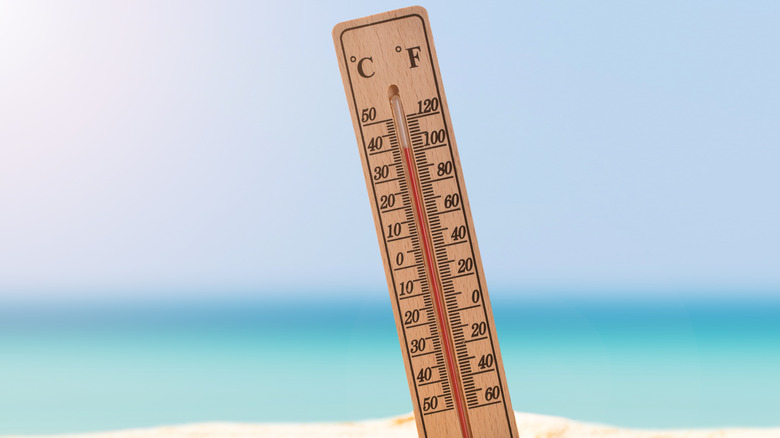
x,y
396,49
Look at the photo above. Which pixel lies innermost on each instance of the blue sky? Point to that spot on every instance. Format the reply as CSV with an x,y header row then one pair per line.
x,y
179,148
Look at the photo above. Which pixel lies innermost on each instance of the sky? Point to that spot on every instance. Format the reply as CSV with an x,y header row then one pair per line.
x,y
167,148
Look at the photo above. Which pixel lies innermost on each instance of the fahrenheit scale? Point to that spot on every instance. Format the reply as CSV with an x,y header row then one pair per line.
x,y
434,271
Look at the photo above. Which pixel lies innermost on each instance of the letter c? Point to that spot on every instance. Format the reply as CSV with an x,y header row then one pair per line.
x,y
360,67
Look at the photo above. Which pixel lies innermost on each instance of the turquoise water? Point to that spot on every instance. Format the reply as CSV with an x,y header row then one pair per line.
x,y
659,363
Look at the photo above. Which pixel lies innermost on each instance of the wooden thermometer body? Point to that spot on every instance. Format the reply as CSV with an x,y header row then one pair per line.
x,y
418,197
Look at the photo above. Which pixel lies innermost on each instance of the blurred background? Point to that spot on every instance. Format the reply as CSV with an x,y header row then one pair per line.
x,y
160,163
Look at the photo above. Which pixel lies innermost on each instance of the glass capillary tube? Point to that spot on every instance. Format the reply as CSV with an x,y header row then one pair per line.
x,y
430,267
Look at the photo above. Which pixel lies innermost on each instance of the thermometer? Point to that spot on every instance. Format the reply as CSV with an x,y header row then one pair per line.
x,y
423,222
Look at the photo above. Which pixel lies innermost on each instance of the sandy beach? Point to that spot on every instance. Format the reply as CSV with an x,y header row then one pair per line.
x,y
531,426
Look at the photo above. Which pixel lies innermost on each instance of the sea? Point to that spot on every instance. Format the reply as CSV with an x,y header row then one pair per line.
x,y
631,360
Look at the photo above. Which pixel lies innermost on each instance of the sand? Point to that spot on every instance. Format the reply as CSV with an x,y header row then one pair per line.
x,y
531,425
